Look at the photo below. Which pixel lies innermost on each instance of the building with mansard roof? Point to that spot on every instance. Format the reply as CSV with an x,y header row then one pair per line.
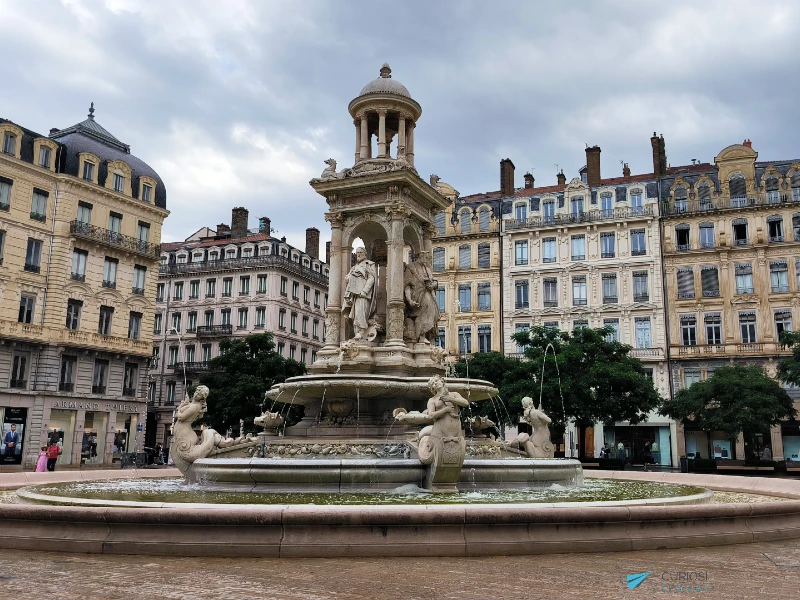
x,y
80,226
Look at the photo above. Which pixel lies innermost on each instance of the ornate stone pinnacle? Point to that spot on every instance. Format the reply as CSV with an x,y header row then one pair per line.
x,y
386,71
91,111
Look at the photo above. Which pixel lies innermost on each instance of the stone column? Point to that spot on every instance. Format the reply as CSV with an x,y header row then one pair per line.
x,y
111,431
357,123
401,138
382,133
410,143
364,131
395,303
77,434
333,312
776,441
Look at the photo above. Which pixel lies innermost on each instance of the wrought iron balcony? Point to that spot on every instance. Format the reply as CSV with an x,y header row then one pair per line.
x,y
66,387
610,299
113,239
98,389
591,216
641,297
717,204
38,216
248,262
129,392
18,383
192,366
32,268
109,284
214,330
78,277
137,290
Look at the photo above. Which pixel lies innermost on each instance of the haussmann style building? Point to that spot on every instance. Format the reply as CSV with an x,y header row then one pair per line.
x,y
80,225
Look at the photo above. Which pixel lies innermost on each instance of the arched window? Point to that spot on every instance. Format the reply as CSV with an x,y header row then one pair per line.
x,y
483,219
704,196
680,198
464,257
465,217
738,188
439,222
771,184
521,211
438,260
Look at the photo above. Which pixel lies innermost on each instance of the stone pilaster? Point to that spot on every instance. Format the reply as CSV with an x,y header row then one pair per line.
x,y
364,131
333,312
382,133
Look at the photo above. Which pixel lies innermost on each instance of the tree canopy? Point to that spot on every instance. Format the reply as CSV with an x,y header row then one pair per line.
x,y
600,381
789,367
734,399
239,376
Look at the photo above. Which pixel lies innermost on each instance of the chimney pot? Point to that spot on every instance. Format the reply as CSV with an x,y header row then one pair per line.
x,y
626,170
223,229
239,217
593,166
562,179
747,143
659,155
312,242
506,178
528,180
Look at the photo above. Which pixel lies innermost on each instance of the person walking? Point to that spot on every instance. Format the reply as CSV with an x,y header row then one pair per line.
x,y
41,464
648,456
621,454
53,452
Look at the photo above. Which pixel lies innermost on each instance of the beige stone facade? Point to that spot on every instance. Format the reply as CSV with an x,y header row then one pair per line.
x,y
80,225
732,271
466,263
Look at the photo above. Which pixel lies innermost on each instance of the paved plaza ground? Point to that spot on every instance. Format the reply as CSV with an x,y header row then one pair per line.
x,y
734,572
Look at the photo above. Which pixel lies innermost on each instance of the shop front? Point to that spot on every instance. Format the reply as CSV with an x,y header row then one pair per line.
x,y
651,442
14,421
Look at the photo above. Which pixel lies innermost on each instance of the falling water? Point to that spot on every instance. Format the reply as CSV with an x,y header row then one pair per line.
x,y
276,399
322,403
560,391
358,407
287,407
339,361
507,417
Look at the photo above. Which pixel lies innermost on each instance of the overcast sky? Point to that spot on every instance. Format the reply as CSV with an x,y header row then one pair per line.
x,y
238,103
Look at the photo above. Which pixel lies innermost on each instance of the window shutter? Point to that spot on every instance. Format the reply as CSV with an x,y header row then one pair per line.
x,y
438,260
484,255
744,269
439,221
704,192
738,187
685,283
464,258
483,218
710,280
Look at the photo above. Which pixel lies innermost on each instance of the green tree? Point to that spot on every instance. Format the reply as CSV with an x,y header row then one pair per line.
x,y
789,368
239,376
599,380
735,399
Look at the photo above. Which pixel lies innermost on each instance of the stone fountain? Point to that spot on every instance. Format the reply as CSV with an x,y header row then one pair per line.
x,y
379,411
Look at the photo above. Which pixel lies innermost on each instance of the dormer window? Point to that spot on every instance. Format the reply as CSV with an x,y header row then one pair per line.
x,y
231,253
88,171
247,252
147,192
10,144
213,256
44,157
119,182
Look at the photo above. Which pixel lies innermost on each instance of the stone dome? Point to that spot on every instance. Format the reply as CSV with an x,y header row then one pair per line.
x,y
385,84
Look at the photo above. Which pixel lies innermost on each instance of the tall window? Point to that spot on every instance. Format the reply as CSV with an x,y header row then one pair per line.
x,y
577,206
775,228
438,260
440,299
740,232
227,287
209,318
484,296
484,255
549,211
130,380
88,170
521,252
282,319
206,348
26,304
607,245
521,328
139,273
147,192
110,273
295,290
709,279
170,399
744,278
211,288
440,338
610,288
779,276
225,316
713,323
783,321
119,182
465,219
747,327
261,317
69,372
549,250
439,222
178,291
134,325
483,219
704,196
637,206
707,235
689,330
142,233
550,291
9,143
33,256
157,323
79,264
262,287
315,329
159,292
682,237
638,242
578,247
19,371
484,338
771,185
465,339
176,321
641,291
465,256
115,225
5,193
293,322
613,324
100,376
521,212
39,205
244,285
521,293
579,290
242,323
680,199
606,204
316,298
685,282
643,339
465,296
304,328
73,313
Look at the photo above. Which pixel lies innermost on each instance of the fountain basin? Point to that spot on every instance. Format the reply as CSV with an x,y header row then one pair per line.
x,y
356,474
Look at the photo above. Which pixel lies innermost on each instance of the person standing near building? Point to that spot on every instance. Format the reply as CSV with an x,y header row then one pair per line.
x,y
656,455
621,455
53,452
41,464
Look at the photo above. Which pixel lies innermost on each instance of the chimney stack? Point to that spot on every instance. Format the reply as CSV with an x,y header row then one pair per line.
x,y
593,166
54,130
747,143
327,253
528,181
239,223
223,230
562,179
264,225
659,155
312,242
506,178
626,170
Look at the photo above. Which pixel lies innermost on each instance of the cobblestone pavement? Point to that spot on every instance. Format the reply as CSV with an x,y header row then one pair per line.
x,y
770,570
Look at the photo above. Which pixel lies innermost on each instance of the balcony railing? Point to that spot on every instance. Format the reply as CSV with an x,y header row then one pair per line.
x,y
192,366
66,387
78,277
98,389
129,392
18,383
109,284
641,297
646,352
610,299
137,291
32,268
214,330
749,348
232,264
706,206
591,216
114,239
36,216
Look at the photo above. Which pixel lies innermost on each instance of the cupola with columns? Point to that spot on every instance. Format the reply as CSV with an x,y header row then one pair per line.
x,y
385,110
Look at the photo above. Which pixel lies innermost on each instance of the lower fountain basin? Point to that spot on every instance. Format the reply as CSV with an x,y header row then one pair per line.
x,y
355,474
